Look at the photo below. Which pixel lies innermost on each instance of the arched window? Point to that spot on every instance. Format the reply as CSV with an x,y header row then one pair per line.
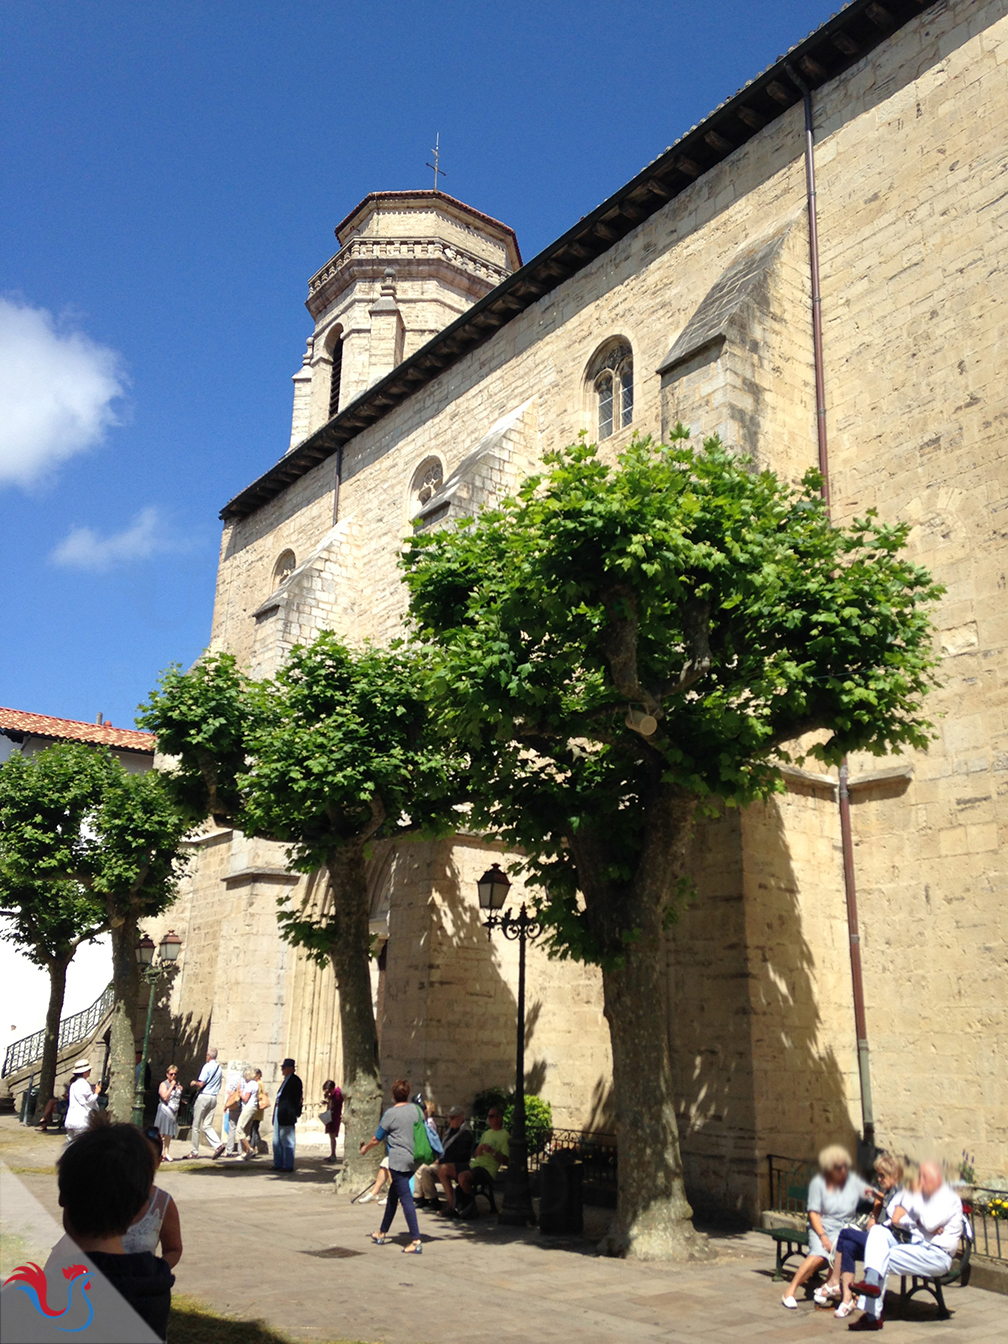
x,y
427,482
337,372
283,568
610,378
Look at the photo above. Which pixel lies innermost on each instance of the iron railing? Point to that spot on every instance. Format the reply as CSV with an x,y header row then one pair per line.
x,y
789,1182
988,1212
72,1029
596,1153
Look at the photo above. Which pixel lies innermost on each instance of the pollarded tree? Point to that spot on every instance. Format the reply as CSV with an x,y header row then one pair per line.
x,y
718,611
330,756
74,817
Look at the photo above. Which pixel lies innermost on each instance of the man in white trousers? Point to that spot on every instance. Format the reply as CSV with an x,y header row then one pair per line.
x,y
207,1087
933,1217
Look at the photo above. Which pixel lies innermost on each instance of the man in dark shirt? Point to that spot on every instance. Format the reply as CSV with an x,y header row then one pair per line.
x,y
459,1143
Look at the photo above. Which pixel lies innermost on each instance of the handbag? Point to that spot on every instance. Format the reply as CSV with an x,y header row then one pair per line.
x,y
422,1150
233,1098
325,1117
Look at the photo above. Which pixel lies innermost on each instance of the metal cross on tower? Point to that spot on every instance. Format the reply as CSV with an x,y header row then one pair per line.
x,y
436,151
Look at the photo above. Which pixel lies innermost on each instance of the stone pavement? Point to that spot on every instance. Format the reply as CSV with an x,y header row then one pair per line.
x,y
286,1250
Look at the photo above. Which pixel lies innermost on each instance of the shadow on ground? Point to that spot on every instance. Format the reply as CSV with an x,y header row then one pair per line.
x,y
191,1322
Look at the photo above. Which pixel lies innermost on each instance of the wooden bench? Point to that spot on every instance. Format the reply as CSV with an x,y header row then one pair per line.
x,y
789,1182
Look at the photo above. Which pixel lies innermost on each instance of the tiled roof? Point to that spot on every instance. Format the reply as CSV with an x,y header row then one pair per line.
x,y
73,730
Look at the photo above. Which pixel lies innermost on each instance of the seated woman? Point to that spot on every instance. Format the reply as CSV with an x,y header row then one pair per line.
x,y
833,1196
850,1243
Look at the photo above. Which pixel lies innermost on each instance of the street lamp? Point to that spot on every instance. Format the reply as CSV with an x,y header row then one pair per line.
x,y
493,887
150,973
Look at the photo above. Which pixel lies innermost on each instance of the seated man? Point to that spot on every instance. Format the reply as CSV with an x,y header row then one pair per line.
x,y
491,1152
459,1143
933,1217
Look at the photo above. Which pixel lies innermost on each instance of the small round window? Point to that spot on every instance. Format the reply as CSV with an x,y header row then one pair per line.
x,y
283,568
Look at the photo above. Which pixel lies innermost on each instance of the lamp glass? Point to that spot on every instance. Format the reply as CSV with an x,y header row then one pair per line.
x,y
170,946
145,951
493,888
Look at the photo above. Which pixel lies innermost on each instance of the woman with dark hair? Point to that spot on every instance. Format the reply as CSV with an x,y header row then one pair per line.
x,y
158,1219
396,1130
332,1102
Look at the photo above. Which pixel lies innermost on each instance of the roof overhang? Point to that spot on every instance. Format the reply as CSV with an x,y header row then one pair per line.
x,y
833,48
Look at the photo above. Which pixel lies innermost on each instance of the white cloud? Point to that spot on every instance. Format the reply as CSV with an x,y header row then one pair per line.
x,y
57,386
83,548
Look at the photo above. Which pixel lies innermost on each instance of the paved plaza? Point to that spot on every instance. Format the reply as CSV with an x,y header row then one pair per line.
x,y
286,1250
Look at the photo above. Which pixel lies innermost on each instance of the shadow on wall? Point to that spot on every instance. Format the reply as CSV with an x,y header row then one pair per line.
x,y
450,1014
749,1068
176,1038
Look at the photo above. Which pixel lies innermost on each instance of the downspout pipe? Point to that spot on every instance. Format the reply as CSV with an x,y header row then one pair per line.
x,y
846,836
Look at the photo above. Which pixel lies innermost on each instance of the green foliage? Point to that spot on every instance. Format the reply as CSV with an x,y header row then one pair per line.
x,y
538,1119
682,583
483,1102
104,841
332,753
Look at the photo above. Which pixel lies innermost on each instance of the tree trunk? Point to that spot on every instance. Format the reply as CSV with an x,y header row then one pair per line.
x,y
351,960
653,1217
125,988
50,1046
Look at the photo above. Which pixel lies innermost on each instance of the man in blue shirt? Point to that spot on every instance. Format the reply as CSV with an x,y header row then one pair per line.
x,y
208,1086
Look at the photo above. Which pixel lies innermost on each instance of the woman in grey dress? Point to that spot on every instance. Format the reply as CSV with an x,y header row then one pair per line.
x,y
833,1196
169,1096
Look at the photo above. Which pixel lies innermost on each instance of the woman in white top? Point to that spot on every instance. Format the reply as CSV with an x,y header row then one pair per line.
x,y
83,1100
249,1106
158,1219
166,1120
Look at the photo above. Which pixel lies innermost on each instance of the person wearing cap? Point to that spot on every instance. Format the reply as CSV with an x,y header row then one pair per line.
x,y
459,1143
286,1113
83,1100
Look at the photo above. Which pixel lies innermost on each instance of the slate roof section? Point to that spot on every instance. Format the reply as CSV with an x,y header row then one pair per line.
x,y
18,722
722,301
834,47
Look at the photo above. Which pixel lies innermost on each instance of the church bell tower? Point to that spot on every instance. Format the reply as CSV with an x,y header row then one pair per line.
x,y
409,263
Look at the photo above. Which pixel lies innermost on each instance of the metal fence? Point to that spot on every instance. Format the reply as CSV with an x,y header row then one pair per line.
x,y
72,1029
596,1153
988,1212
789,1182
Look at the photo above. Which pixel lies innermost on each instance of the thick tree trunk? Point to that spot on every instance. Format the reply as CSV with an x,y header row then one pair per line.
x,y
125,988
50,1046
351,959
653,1217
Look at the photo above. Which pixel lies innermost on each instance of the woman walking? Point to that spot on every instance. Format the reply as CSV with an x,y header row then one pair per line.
x,y
332,1101
396,1130
249,1105
166,1120
260,1113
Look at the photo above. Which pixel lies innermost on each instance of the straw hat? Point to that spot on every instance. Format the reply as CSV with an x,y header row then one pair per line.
x,y
82,1066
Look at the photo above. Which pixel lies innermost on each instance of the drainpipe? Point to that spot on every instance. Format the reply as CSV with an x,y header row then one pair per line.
x,y
846,837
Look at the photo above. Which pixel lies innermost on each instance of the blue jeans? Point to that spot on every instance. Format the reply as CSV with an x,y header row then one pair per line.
x,y
400,1193
850,1245
283,1146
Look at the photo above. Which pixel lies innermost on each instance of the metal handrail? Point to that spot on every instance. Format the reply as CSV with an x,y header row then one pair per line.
x,y
78,1027
987,1210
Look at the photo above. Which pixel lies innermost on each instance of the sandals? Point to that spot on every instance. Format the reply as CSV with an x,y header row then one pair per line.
x,y
378,1238
414,1248
845,1309
825,1294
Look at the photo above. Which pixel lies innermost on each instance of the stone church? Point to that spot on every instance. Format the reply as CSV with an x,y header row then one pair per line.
x,y
439,369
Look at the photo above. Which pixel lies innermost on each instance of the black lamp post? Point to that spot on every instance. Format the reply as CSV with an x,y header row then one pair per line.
x,y
151,972
493,887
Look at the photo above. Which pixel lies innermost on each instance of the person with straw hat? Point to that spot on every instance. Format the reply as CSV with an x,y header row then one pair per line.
x,y
83,1100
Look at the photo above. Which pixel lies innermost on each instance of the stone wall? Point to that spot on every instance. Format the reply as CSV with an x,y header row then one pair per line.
x,y
912,223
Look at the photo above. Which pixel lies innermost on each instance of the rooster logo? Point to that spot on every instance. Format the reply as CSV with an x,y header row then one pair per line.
x,y
32,1281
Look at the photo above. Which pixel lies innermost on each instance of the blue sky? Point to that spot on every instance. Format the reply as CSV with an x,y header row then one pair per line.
x,y
172,175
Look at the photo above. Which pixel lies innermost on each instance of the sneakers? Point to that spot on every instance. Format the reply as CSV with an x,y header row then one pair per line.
x,y
369,1198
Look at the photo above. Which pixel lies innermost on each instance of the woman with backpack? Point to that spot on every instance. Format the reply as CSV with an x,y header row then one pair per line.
x,y
404,1130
